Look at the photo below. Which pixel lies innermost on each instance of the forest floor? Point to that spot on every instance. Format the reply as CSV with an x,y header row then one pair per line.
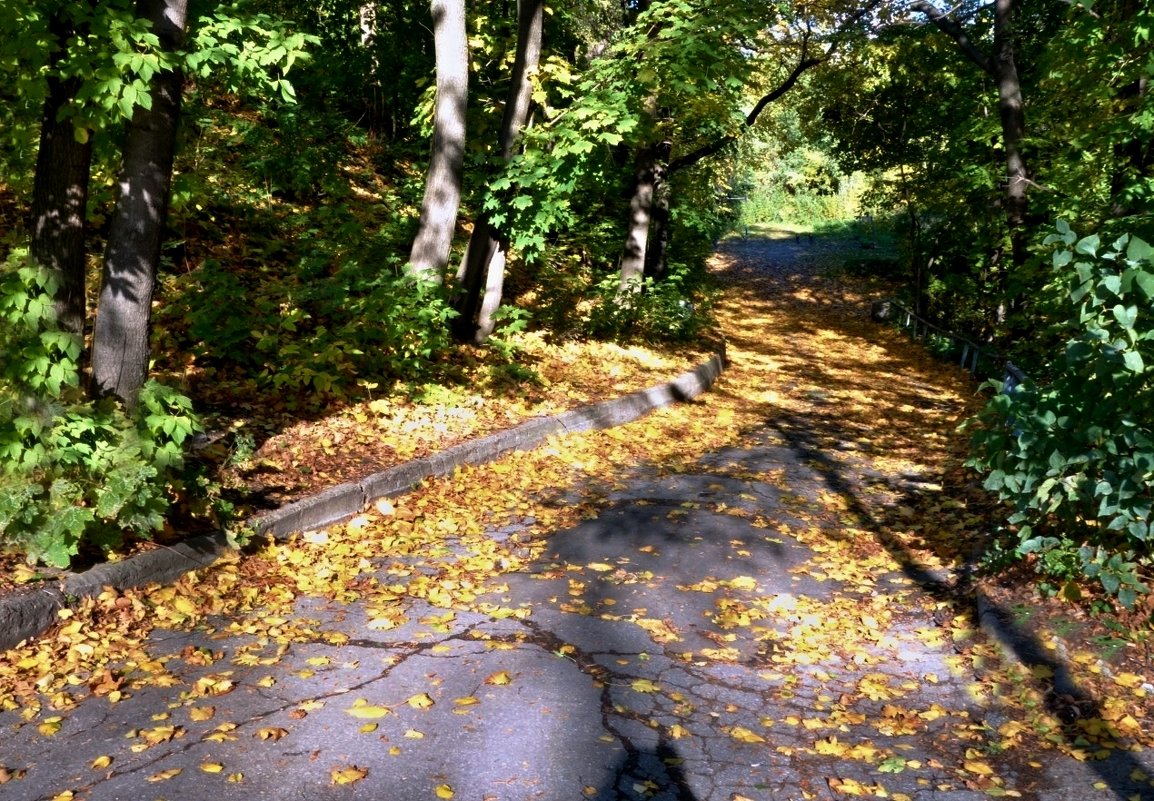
x,y
860,404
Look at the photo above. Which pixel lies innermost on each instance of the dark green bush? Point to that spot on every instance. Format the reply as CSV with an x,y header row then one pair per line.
x,y
1074,455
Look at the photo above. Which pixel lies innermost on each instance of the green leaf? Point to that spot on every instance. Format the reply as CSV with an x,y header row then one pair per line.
x,y
1139,250
1125,315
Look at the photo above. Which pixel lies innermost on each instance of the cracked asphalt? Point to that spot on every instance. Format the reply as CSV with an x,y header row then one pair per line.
x,y
678,645
620,684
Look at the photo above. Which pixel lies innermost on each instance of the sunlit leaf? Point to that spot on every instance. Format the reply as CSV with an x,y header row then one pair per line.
x,y
347,774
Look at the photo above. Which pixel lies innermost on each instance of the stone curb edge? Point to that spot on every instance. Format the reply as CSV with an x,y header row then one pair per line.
x,y
30,614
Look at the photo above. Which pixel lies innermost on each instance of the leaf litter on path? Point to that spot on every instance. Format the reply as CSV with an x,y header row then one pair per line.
x,y
858,406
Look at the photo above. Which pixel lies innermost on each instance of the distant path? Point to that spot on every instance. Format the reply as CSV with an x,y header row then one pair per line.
x,y
738,605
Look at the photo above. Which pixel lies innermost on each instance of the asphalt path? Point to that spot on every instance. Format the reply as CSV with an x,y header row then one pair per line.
x,y
628,672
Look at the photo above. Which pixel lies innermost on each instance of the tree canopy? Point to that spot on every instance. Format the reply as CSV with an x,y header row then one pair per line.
x,y
234,191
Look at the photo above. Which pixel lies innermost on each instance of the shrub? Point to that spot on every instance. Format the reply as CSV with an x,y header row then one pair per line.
x,y
675,309
74,472
1074,455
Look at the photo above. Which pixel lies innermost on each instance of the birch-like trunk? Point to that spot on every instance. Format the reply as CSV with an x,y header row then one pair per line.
x,y
482,273
430,252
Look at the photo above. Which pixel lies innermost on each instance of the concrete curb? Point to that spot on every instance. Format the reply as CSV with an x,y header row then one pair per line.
x,y
30,614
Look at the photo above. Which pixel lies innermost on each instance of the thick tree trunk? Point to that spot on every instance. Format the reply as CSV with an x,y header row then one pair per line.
x,y
120,347
430,252
479,293
60,193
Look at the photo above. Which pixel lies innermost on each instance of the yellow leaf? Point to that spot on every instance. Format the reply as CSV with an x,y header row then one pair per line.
x,y
980,768
468,700
101,762
201,713
67,795
600,567
830,746
420,701
644,686
50,726
744,735
318,661
266,682
164,775
369,728
348,774
444,791
413,734
677,731
743,583
499,679
272,733
235,778
367,711
212,767
1128,679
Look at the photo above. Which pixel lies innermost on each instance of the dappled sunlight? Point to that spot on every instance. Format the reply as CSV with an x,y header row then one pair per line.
x,y
789,529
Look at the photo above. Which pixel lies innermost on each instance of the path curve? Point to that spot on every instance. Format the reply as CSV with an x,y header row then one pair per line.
x,y
717,603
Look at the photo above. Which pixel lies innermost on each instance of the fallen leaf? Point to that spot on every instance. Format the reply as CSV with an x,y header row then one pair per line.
x,y
420,701
272,733
347,774
164,775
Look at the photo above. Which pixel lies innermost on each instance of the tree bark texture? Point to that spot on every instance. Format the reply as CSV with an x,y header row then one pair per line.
x,y
120,349
430,252
640,212
479,292
60,192
657,249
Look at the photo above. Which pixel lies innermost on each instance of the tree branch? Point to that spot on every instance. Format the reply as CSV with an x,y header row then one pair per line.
x,y
955,32
717,145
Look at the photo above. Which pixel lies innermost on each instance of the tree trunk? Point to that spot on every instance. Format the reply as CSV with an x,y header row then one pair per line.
x,y
60,192
120,340
1013,121
487,246
430,252
657,252
640,212
1004,71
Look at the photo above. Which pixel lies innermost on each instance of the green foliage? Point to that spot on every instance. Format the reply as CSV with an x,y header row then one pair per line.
x,y
315,331
1075,455
245,51
671,310
75,473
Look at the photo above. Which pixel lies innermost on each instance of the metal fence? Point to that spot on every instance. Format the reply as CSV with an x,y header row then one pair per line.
x,y
969,355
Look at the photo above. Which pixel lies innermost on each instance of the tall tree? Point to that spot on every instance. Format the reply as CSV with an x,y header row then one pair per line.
x,y
481,276
430,252
60,188
120,347
1001,67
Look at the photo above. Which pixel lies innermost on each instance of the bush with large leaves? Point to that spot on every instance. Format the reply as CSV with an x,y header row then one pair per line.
x,y
1074,454
74,473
